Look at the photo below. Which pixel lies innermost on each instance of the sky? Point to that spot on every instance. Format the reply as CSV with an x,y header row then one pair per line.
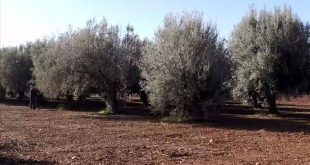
x,y
22,21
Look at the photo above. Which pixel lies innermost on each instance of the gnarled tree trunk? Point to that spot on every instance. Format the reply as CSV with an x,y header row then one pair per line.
x,y
111,99
256,104
271,99
21,95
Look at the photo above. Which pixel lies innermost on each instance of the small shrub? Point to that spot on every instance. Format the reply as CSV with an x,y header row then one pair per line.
x,y
106,112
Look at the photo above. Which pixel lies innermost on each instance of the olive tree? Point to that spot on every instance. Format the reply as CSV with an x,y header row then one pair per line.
x,y
15,69
186,67
132,49
98,55
270,52
55,74
95,56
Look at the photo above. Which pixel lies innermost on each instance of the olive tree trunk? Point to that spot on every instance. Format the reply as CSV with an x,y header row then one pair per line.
x,y
271,99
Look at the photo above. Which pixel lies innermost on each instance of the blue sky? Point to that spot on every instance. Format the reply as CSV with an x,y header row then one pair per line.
x,y
27,20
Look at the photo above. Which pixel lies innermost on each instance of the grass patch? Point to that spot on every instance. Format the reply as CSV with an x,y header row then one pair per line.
x,y
106,112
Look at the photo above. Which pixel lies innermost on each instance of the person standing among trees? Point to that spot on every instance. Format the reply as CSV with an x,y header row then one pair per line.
x,y
33,97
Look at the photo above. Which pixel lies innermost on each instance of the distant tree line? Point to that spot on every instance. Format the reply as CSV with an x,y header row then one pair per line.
x,y
186,70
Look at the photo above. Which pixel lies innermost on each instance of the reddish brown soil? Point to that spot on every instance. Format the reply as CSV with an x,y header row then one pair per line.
x,y
304,100
67,137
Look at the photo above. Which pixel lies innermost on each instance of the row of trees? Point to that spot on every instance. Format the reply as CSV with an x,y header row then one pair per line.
x,y
186,70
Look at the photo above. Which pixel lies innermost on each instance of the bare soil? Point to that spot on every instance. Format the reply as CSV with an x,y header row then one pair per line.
x,y
51,136
303,100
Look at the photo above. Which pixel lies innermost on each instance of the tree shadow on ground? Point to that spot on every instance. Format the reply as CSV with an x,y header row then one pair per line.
x,y
257,123
226,121
14,102
11,160
131,111
85,106
234,116
235,122
93,104
292,118
122,117
135,107
90,105
286,111
8,160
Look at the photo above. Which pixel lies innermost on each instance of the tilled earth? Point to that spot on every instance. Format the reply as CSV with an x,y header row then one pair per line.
x,y
48,136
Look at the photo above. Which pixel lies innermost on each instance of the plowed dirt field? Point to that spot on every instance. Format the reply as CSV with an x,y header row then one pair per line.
x,y
50,136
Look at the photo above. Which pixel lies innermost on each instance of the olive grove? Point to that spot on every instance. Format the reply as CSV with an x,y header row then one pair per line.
x,y
187,70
